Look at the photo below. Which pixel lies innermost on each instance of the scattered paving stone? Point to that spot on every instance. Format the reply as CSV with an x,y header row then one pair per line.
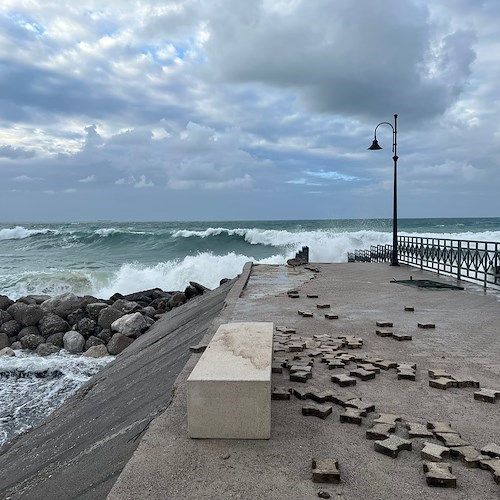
x,y
387,418
302,361
300,377
434,452
402,336
276,368
318,396
323,336
331,316
352,416
354,344
369,367
385,364
466,382
451,440
300,393
335,364
385,324
286,330
325,470
346,358
406,374
360,405
383,333
416,430
392,446
312,296
280,393
323,494
294,295
295,347
313,344
306,314
439,474
313,353
412,366
301,368
426,325
468,454
409,308
323,306
492,450
343,380
314,410
343,400
380,431
442,383
441,426
439,373
362,374
198,348
493,465
487,395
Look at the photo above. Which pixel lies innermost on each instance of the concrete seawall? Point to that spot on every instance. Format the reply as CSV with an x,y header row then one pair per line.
x,y
80,450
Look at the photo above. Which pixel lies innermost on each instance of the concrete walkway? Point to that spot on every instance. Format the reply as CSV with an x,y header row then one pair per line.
x,y
465,342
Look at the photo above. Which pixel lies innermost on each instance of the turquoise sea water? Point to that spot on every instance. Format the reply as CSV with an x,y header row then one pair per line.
x,y
101,258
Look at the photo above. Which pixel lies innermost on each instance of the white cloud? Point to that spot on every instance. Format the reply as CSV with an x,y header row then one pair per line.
x,y
90,178
26,178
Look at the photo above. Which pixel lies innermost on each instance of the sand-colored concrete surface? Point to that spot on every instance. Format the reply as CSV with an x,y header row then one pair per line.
x,y
465,342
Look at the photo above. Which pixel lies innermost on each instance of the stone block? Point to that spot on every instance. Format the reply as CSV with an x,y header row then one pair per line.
x,y
300,377
280,393
441,426
360,405
305,314
312,296
380,431
487,395
197,348
301,368
439,474
286,330
335,364
325,470
343,380
409,308
387,418
362,374
293,295
352,416
300,393
385,364
331,316
229,390
411,366
416,430
354,344
384,333
323,306
342,399
369,367
468,454
439,373
451,440
315,410
392,446
426,325
492,450
406,374
434,452
493,465
402,336
276,367
465,382
442,383
384,324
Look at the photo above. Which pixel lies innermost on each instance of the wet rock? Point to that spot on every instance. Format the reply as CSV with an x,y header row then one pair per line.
x,y
52,323
32,341
92,342
7,351
75,317
88,299
130,325
63,305
96,351
4,317
16,345
38,299
94,309
149,321
223,280
5,302
118,343
24,314
47,349
4,341
27,300
190,292
56,339
28,330
160,305
126,306
86,327
108,316
149,311
105,335
201,289
11,328
176,300
116,296
73,342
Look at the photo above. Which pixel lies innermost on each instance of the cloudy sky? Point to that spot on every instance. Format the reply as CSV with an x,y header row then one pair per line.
x,y
247,109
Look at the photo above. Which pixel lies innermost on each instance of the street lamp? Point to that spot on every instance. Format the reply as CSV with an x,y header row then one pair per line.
x,y
374,147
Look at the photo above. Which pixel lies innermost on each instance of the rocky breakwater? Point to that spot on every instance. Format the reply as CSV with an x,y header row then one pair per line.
x,y
87,325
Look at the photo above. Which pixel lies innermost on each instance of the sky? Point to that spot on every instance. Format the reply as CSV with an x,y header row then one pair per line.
x,y
248,109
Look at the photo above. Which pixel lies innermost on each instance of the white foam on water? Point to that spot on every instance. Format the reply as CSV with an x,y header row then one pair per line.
x,y
20,233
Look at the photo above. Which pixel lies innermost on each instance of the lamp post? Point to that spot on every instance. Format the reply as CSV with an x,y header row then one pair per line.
x,y
374,147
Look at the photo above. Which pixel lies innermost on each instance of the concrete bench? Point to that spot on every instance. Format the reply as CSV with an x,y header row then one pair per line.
x,y
229,389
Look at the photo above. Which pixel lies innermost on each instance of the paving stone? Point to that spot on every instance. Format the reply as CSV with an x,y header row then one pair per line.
x,y
362,374
385,364
384,324
383,333
392,446
335,364
439,474
416,430
276,368
439,373
343,380
434,452
301,368
442,383
300,377
406,374
426,325
300,393
315,410
318,396
360,405
380,431
325,470
493,465
328,356
352,416
313,353
280,393
387,418
323,336
369,367
198,348
409,308
312,296
441,426
324,494
302,360
343,399
487,395
466,382
306,314
286,329
402,336
313,344
354,344
293,295
323,306
468,454
331,316
491,449
412,366
451,440
295,347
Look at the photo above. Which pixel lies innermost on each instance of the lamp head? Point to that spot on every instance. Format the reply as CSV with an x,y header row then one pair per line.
x,y
375,146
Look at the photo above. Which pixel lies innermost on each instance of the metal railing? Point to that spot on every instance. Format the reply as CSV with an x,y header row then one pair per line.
x,y
476,261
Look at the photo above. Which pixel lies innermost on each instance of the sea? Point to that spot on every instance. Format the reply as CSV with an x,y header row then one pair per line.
x,y
104,257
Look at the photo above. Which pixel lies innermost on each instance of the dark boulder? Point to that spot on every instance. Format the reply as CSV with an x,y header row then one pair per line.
x,y
105,335
62,305
88,299
190,292
92,341
149,311
73,342
223,280
86,327
5,302
28,330
160,305
115,297
126,306
75,317
4,340
26,314
118,343
30,301
11,328
176,300
32,341
94,309
39,299
16,345
108,316
47,349
201,289
52,323
56,339
4,317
